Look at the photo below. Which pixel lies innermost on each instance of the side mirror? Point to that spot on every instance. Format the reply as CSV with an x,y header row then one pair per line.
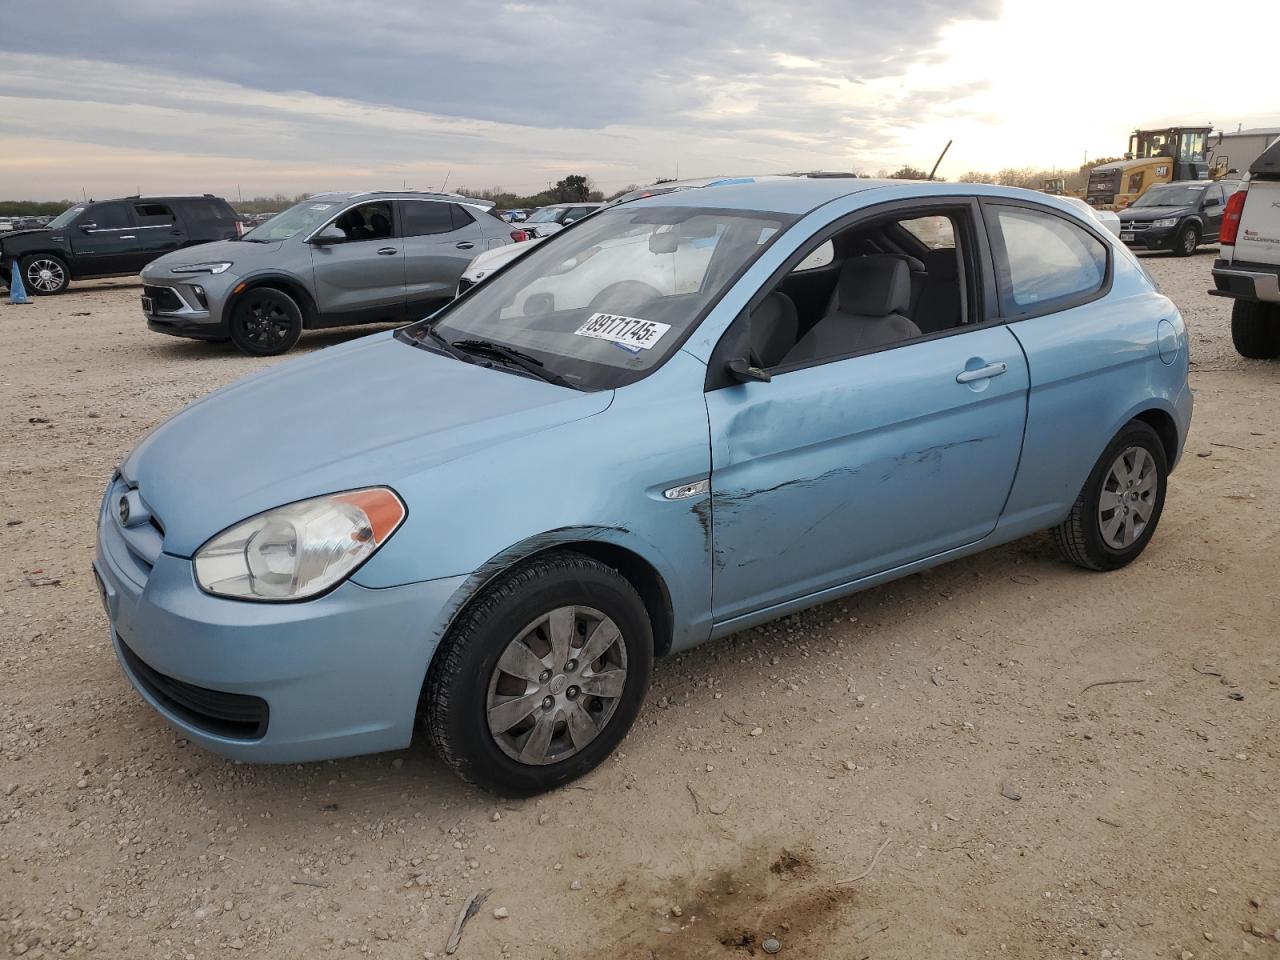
x,y
329,235
744,372
88,227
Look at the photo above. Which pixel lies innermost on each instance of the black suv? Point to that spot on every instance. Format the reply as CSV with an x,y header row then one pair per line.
x,y
111,238
1177,216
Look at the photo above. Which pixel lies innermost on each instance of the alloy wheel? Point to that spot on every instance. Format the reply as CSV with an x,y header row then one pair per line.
x,y
556,685
46,276
1189,242
1127,498
266,324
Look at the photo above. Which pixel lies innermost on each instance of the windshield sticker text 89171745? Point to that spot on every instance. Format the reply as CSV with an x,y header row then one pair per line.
x,y
630,332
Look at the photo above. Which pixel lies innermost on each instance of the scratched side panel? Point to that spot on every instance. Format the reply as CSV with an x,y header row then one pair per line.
x,y
838,471
600,478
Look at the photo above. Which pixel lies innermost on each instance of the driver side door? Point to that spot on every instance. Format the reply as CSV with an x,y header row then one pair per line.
x,y
361,279
105,240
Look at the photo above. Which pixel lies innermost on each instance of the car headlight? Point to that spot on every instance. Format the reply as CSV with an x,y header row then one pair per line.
x,y
214,266
1166,222
301,549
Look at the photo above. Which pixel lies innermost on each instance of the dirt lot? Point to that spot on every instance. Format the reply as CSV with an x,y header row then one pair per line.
x,y
765,769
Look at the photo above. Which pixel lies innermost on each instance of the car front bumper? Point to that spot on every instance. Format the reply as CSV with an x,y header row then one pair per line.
x,y
192,307
1150,238
1246,281
271,682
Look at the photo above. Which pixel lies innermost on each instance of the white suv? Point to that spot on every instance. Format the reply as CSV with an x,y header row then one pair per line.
x,y
1248,269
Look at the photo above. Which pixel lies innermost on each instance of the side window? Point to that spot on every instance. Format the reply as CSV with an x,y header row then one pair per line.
x,y
423,218
108,216
1046,259
820,257
153,215
206,211
369,221
1213,196
461,218
576,213
936,233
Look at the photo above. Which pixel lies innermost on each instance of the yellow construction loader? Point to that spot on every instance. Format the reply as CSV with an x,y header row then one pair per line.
x,y
1154,156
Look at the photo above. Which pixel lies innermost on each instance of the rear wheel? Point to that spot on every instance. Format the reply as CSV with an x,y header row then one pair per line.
x,y
542,677
44,274
265,322
1187,241
1255,329
1115,515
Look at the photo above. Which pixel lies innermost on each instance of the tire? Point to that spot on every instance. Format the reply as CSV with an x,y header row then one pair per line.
x,y
265,322
1086,538
471,678
1255,329
1188,240
44,275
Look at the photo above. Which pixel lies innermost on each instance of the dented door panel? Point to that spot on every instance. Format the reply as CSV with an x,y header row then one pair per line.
x,y
839,471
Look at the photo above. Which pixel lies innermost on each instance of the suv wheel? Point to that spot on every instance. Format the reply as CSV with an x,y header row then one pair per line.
x,y
1187,241
265,322
44,274
1115,515
1255,329
542,677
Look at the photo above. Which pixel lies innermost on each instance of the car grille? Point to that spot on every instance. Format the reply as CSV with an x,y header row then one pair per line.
x,y
1134,226
165,299
231,715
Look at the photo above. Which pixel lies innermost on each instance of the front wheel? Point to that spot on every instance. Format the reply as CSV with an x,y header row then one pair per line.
x,y
1115,515
265,322
541,678
44,274
1187,241
1255,329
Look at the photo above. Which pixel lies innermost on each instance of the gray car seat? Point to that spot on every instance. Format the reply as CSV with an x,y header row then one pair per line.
x,y
872,296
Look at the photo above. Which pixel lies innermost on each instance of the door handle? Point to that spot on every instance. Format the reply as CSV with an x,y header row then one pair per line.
x,y
387,251
465,245
982,373
128,236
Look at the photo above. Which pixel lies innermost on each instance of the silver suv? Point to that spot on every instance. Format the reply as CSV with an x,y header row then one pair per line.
x,y
332,260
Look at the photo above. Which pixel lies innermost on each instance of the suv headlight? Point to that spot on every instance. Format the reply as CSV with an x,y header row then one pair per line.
x,y
214,266
1166,222
301,549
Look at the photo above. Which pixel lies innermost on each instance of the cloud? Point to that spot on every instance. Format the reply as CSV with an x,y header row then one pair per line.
x,y
490,86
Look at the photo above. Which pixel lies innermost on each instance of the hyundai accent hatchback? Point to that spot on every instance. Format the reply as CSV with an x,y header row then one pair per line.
x,y
488,524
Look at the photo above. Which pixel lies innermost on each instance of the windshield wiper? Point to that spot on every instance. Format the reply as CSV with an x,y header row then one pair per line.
x,y
442,343
512,356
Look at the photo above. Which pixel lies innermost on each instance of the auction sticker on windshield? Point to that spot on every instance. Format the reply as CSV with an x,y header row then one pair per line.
x,y
630,332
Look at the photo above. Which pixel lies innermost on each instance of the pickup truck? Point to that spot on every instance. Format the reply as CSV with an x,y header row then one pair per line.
x,y
1248,267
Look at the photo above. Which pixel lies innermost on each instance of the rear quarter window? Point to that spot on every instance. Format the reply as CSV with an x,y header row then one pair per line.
x,y
207,211
1045,261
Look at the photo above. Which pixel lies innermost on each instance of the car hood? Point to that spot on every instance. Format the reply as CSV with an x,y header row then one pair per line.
x,y
29,232
245,256
373,411
1152,213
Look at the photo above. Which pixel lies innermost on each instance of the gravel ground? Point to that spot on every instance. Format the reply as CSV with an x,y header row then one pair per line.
x,y
938,741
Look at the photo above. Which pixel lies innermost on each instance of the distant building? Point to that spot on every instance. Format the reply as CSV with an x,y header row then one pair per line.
x,y
1243,147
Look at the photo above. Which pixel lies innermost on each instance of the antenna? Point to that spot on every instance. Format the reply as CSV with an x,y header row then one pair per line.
x,y
939,160
446,181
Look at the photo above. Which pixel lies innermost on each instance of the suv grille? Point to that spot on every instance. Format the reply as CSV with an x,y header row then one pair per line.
x,y
163,298
231,715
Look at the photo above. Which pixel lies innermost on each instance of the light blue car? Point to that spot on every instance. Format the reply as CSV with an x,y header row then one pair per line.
x,y
491,522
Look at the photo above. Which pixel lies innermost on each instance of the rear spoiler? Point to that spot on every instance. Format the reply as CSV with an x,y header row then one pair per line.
x,y
1267,166
482,204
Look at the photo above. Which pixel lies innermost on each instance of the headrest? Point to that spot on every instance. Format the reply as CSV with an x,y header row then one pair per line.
x,y
875,286
776,308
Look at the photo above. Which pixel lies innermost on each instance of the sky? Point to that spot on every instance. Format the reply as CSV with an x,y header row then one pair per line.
x,y
257,97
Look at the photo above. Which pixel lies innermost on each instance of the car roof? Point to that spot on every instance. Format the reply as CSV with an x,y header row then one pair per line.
x,y
783,194
345,195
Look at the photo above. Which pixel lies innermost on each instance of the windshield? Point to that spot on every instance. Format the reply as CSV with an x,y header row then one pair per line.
x,y
300,218
547,215
605,303
65,217
1170,196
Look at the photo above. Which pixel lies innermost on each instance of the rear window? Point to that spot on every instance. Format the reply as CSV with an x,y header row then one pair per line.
x,y
152,214
207,210
1046,260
